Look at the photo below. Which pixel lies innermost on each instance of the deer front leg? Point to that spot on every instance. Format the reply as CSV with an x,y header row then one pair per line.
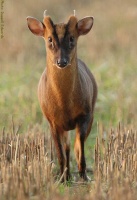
x,y
67,151
82,130
60,150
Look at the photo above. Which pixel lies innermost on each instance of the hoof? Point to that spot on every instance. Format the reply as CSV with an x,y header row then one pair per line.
x,y
84,177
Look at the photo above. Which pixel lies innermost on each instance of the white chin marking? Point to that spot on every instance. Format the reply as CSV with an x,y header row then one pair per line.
x,y
62,67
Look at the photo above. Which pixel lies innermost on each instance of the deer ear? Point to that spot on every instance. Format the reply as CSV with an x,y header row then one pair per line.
x,y
35,26
84,25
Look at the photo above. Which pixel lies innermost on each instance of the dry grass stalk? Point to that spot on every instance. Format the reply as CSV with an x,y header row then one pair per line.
x,y
116,156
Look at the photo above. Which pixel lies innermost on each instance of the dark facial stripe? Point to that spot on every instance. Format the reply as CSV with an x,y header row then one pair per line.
x,y
67,30
55,35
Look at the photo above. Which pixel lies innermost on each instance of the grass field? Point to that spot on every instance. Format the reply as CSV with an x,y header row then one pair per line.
x,y
110,52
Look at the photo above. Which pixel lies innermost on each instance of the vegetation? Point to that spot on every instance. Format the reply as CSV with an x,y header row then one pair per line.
x,y
110,52
28,173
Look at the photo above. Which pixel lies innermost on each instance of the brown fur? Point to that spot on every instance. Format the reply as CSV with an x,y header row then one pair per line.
x,y
67,96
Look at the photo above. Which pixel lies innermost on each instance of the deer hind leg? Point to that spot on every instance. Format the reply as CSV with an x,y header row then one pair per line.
x,y
58,138
82,131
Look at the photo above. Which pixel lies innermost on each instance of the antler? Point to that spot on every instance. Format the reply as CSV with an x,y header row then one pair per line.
x,y
44,14
74,12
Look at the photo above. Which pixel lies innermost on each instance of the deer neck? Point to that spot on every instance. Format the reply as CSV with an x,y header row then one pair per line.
x,y
62,81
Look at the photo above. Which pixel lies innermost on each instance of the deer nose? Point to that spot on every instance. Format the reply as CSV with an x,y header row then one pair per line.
x,y
62,62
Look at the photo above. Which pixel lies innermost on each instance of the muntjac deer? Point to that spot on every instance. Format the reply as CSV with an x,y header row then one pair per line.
x,y
67,89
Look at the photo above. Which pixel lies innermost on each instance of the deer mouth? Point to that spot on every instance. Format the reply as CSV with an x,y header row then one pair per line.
x,y
62,67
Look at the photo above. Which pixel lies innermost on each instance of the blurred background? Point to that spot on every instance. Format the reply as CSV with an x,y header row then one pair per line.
x,y
110,51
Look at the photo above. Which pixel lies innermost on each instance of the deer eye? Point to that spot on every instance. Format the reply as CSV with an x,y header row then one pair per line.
x,y
71,42
51,43
50,39
71,39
